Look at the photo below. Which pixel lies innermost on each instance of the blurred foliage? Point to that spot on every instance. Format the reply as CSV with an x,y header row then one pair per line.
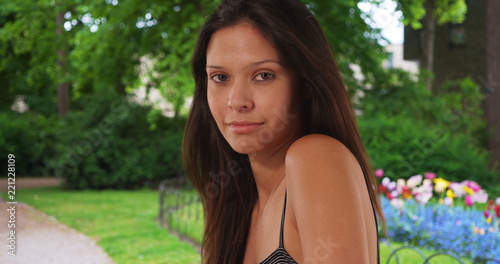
x,y
109,143
121,45
30,137
114,47
408,130
445,11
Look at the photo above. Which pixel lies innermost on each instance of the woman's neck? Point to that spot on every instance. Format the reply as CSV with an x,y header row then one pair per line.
x,y
269,173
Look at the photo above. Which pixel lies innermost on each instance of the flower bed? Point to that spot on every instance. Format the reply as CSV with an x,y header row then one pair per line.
x,y
423,212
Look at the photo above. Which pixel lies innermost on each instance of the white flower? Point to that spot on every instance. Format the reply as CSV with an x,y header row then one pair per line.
x,y
391,186
427,184
448,201
399,185
480,197
423,197
386,181
413,181
398,203
458,189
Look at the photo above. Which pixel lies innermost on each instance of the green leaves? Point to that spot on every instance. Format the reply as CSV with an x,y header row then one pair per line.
x,y
445,11
106,40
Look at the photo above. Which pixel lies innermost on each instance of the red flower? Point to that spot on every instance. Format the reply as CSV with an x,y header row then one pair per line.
x,y
406,192
383,188
389,196
497,211
490,206
486,214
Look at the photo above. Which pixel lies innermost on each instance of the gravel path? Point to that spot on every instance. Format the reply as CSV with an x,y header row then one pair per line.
x,y
41,239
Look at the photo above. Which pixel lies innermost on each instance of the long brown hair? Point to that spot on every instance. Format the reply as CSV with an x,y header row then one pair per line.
x,y
223,177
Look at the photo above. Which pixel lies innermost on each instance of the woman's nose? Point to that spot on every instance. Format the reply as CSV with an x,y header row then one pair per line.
x,y
240,97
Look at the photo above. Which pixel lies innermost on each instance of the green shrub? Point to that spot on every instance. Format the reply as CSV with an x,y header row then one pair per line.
x,y
29,137
404,147
111,144
456,108
408,130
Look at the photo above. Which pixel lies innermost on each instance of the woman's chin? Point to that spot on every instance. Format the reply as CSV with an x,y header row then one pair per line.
x,y
244,146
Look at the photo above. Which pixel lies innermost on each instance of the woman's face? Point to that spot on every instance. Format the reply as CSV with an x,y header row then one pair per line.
x,y
253,98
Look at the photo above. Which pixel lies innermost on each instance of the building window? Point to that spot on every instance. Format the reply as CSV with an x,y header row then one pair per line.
x,y
457,35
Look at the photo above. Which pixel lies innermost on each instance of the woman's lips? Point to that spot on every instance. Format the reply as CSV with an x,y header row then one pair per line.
x,y
243,127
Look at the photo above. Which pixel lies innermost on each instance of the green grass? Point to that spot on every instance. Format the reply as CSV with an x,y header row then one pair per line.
x,y
188,220
123,223
408,256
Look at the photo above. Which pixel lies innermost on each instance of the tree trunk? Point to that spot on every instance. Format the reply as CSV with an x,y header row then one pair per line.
x,y
62,57
429,36
492,80
121,88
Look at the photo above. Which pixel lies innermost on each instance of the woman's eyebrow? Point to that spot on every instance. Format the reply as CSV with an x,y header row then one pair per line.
x,y
251,65
264,61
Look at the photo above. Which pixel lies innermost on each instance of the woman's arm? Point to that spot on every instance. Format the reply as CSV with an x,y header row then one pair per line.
x,y
331,204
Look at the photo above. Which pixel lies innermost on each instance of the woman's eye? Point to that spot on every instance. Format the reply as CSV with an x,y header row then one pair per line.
x,y
265,76
219,78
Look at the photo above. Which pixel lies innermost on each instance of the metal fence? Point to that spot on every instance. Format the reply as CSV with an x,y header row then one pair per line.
x,y
179,209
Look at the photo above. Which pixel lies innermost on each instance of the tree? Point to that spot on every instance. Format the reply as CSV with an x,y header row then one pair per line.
x,y
62,67
96,46
433,12
492,80
32,45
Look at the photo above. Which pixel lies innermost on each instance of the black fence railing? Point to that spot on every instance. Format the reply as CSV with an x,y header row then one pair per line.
x,y
180,211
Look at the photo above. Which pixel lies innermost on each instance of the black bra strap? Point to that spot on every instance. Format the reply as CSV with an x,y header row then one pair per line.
x,y
282,223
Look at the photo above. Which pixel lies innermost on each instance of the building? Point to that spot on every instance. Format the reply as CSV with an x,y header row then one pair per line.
x,y
468,49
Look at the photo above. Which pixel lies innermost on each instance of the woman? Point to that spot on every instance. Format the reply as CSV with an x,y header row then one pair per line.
x,y
272,145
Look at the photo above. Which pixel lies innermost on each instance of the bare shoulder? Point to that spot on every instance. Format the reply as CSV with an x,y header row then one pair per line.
x,y
316,142
328,198
321,153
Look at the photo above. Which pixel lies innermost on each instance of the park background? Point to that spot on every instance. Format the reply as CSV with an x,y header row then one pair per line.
x,y
96,93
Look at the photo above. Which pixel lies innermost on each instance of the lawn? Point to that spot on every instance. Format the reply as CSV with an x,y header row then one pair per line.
x,y
123,223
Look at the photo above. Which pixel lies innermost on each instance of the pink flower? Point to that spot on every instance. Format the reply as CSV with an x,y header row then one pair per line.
x,y
473,185
430,175
497,201
379,173
468,200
